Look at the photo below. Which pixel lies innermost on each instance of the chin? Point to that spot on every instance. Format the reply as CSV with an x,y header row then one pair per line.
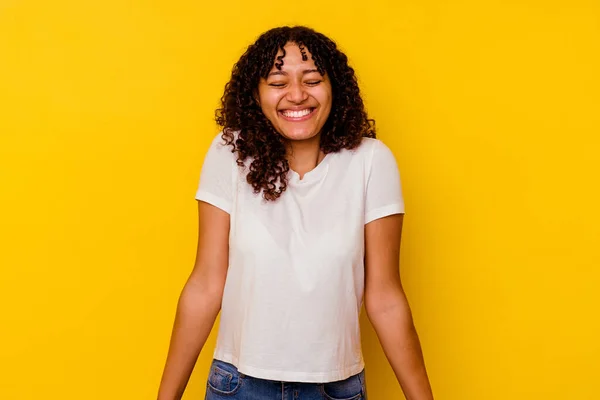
x,y
298,135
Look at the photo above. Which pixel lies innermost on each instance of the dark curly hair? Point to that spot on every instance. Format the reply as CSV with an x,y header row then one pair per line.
x,y
240,112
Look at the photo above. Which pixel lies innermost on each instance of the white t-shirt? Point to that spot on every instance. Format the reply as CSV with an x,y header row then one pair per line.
x,y
295,282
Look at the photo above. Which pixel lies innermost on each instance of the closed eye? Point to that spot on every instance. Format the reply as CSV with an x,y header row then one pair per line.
x,y
313,83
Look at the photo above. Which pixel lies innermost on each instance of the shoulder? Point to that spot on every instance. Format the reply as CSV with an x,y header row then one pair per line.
x,y
374,155
372,144
219,146
219,153
367,149
219,142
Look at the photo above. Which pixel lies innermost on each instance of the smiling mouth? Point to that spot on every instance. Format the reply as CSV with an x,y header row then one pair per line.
x,y
297,115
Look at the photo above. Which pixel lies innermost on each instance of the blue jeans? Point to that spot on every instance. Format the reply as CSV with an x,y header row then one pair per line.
x,y
226,382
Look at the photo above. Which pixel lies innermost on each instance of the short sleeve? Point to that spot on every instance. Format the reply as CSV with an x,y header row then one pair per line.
x,y
216,178
384,190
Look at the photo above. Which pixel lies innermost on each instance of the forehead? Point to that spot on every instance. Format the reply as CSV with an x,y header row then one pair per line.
x,y
295,56
293,48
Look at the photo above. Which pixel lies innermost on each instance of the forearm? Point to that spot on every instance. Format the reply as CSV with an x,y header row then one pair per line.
x,y
398,337
197,310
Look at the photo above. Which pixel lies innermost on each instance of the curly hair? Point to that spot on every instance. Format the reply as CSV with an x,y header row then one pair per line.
x,y
257,139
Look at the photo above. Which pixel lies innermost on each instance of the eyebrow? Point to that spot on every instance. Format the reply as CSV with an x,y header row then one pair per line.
x,y
306,71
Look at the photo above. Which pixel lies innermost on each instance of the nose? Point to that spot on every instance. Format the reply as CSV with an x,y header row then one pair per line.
x,y
296,93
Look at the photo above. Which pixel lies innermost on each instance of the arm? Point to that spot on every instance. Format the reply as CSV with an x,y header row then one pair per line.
x,y
388,309
199,302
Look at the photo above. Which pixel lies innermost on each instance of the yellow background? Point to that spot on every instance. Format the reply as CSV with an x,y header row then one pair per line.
x,y
491,107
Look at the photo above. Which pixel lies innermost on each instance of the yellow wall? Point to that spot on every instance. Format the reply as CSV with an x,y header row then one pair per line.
x,y
491,107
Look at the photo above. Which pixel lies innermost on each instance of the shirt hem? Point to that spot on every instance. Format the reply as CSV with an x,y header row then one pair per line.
x,y
384,211
214,200
291,376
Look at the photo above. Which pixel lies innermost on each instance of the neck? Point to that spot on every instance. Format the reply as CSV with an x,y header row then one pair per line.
x,y
303,156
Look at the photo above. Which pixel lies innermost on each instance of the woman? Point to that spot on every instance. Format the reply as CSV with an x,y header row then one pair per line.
x,y
300,219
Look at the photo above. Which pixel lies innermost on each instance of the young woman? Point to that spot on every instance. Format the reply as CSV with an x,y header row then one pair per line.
x,y
301,215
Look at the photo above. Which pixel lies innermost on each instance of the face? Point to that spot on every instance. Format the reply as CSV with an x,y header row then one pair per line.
x,y
297,98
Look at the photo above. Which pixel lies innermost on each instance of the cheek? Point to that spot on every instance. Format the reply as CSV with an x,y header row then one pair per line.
x,y
325,98
268,102
326,105
264,108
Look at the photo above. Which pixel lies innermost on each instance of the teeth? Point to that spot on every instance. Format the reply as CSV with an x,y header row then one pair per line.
x,y
296,114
